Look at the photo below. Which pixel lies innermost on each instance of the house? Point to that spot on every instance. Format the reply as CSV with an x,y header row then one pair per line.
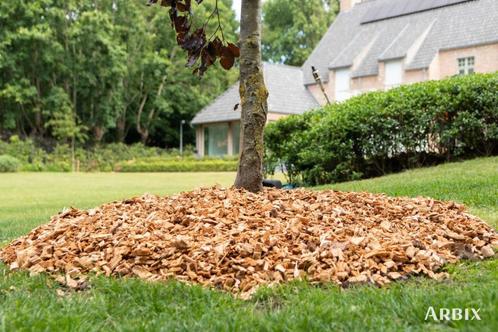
x,y
379,44
218,124
375,45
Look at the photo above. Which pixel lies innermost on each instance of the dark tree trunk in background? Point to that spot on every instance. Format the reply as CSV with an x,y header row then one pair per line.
x,y
253,97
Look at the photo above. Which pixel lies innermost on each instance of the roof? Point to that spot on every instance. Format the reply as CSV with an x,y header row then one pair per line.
x,y
380,30
287,95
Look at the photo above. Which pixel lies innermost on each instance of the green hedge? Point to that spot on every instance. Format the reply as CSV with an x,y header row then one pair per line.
x,y
177,166
9,164
383,132
108,158
35,158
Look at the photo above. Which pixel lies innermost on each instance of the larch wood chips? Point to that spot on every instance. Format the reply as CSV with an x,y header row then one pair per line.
x,y
236,241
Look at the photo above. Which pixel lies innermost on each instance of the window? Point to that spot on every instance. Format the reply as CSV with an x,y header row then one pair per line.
x,y
216,139
342,84
466,65
394,73
236,138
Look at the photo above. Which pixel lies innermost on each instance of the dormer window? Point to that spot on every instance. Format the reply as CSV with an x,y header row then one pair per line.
x,y
394,73
466,65
342,84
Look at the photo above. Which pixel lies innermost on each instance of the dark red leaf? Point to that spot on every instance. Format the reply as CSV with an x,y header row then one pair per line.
x,y
166,3
217,44
180,38
195,41
234,49
227,61
207,58
211,49
181,7
181,24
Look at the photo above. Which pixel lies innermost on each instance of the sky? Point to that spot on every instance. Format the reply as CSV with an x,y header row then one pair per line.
x,y
236,7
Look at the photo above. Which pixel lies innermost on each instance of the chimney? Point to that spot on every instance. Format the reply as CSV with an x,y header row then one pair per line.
x,y
346,5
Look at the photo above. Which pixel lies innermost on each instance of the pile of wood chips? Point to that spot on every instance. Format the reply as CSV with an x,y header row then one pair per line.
x,y
236,241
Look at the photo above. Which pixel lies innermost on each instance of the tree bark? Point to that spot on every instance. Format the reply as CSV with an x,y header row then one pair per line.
x,y
253,97
121,127
144,131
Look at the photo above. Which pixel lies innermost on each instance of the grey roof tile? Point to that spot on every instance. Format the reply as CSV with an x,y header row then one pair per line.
x,y
470,23
287,95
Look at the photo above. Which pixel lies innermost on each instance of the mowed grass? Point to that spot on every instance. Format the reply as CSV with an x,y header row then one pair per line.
x,y
32,304
473,183
29,199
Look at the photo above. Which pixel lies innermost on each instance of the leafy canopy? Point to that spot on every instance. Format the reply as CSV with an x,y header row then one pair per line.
x,y
292,28
102,71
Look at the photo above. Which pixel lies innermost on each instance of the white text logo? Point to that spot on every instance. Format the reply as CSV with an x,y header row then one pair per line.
x,y
446,314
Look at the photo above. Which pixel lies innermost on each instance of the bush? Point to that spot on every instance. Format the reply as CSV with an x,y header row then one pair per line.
x,y
34,158
107,158
25,150
383,132
177,166
9,164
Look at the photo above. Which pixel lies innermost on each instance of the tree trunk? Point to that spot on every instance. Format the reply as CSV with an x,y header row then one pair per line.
x,y
121,127
98,133
253,97
142,131
73,159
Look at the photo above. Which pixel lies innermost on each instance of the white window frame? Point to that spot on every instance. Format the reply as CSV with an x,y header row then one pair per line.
x,y
466,65
393,73
342,84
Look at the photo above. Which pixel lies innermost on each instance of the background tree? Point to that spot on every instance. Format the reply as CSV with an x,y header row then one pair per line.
x,y
98,65
63,121
119,68
292,28
106,57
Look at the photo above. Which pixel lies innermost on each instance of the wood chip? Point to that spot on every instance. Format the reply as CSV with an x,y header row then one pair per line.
x,y
357,240
487,251
238,241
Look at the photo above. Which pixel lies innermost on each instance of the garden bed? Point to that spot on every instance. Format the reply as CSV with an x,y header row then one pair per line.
x,y
237,241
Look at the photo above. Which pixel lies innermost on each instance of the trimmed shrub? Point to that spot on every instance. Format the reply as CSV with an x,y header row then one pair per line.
x,y
107,158
383,132
9,164
177,166
34,158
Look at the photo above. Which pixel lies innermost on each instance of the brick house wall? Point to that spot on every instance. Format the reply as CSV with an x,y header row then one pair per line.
x,y
486,60
444,64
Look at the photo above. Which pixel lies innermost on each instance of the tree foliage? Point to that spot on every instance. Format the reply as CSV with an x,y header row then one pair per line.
x,y
192,35
101,71
292,28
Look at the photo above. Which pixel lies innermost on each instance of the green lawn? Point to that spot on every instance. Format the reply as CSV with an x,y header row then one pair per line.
x,y
473,183
31,303
29,199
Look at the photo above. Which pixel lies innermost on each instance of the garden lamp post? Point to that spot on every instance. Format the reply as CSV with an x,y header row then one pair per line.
x,y
181,136
318,80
